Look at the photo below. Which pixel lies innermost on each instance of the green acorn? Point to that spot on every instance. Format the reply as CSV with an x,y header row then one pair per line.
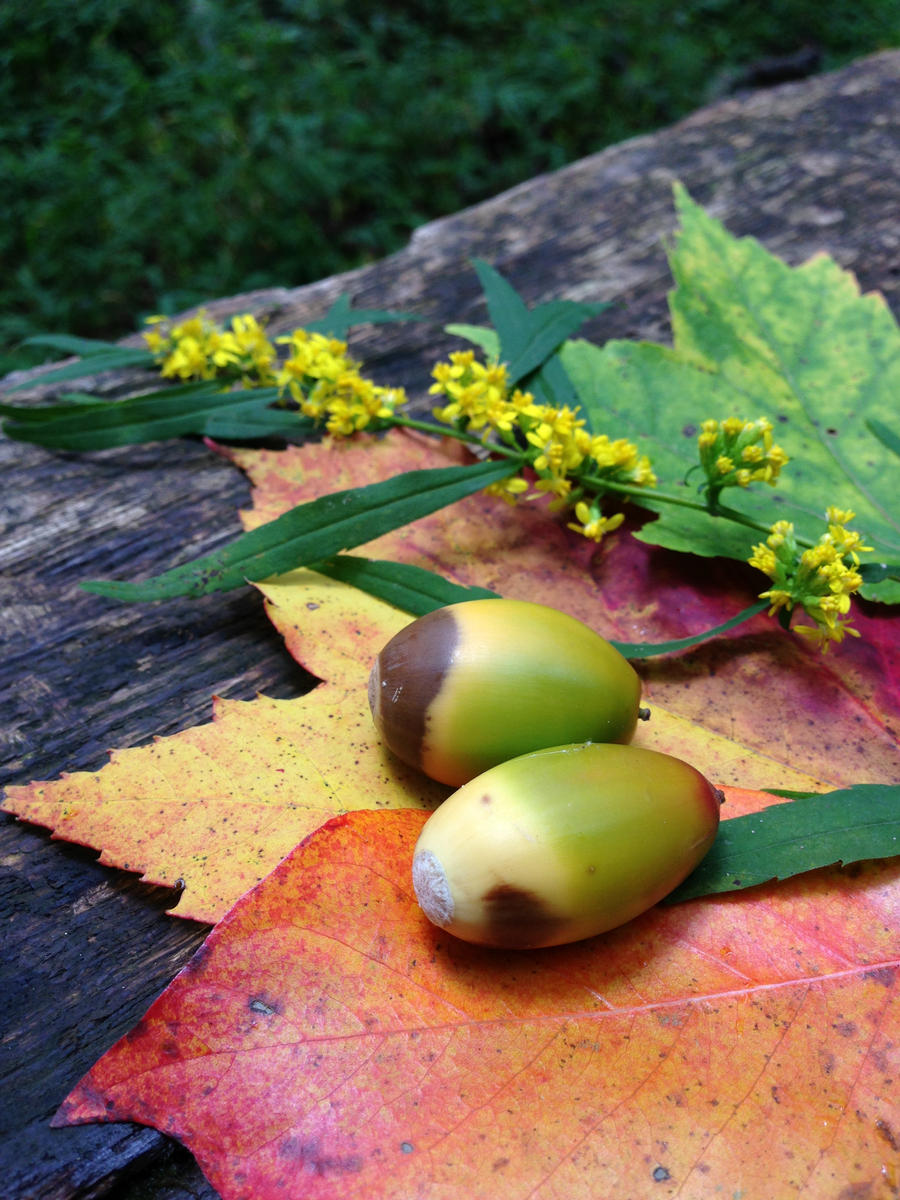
x,y
474,684
562,844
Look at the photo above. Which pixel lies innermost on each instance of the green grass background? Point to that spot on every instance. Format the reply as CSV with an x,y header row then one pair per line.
x,y
157,155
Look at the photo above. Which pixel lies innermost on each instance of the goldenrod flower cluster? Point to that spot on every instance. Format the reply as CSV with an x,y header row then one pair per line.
x,y
562,458
566,460
736,453
327,386
198,348
317,373
821,578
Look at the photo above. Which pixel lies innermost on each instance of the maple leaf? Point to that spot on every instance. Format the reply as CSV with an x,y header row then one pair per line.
x,y
832,720
218,806
212,809
351,1049
754,338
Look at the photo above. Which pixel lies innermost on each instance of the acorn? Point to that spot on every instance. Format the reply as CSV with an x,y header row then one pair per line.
x,y
562,844
473,684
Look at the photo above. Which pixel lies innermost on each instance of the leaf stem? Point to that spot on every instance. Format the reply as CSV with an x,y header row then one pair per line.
x,y
712,506
461,435
641,491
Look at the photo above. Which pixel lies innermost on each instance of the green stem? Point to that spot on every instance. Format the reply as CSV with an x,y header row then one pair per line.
x,y
732,514
712,506
461,435
594,483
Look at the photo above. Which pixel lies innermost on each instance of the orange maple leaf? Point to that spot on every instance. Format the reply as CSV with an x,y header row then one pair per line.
x,y
326,1041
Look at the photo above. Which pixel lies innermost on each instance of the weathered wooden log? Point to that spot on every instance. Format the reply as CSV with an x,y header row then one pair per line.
x,y
804,167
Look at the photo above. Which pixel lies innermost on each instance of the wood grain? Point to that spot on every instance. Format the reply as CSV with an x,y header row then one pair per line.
x,y
804,167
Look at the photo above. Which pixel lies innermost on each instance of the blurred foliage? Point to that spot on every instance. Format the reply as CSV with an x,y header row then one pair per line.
x,y
154,156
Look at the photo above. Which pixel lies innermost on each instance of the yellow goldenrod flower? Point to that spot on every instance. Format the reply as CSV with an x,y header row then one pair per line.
x,y
819,579
478,395
510,490
591,523
559,487
778,598
733,427
763,558
824,633
736,453
198,348
566,458
319,374
839,516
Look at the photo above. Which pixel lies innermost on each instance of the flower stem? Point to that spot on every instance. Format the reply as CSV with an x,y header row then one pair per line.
x,y
461,435
594,483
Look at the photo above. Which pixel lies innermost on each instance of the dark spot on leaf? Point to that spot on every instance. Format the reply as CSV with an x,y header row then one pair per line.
x,y
689,430
407,1147
856,1191
309,1155
259,1005
199,962
845,1028
882,975
661,1174
884,1131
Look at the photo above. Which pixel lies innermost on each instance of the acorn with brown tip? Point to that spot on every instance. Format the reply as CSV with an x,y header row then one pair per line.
x,y
563,844
473,684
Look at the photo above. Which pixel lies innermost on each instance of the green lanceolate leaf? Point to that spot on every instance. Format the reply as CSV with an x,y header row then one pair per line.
x,y
813,830
528,337
341,317
68,343
551,385
191,408
418,591
314,531
410,588
479,335
649,649
246,423
105,358
753,338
